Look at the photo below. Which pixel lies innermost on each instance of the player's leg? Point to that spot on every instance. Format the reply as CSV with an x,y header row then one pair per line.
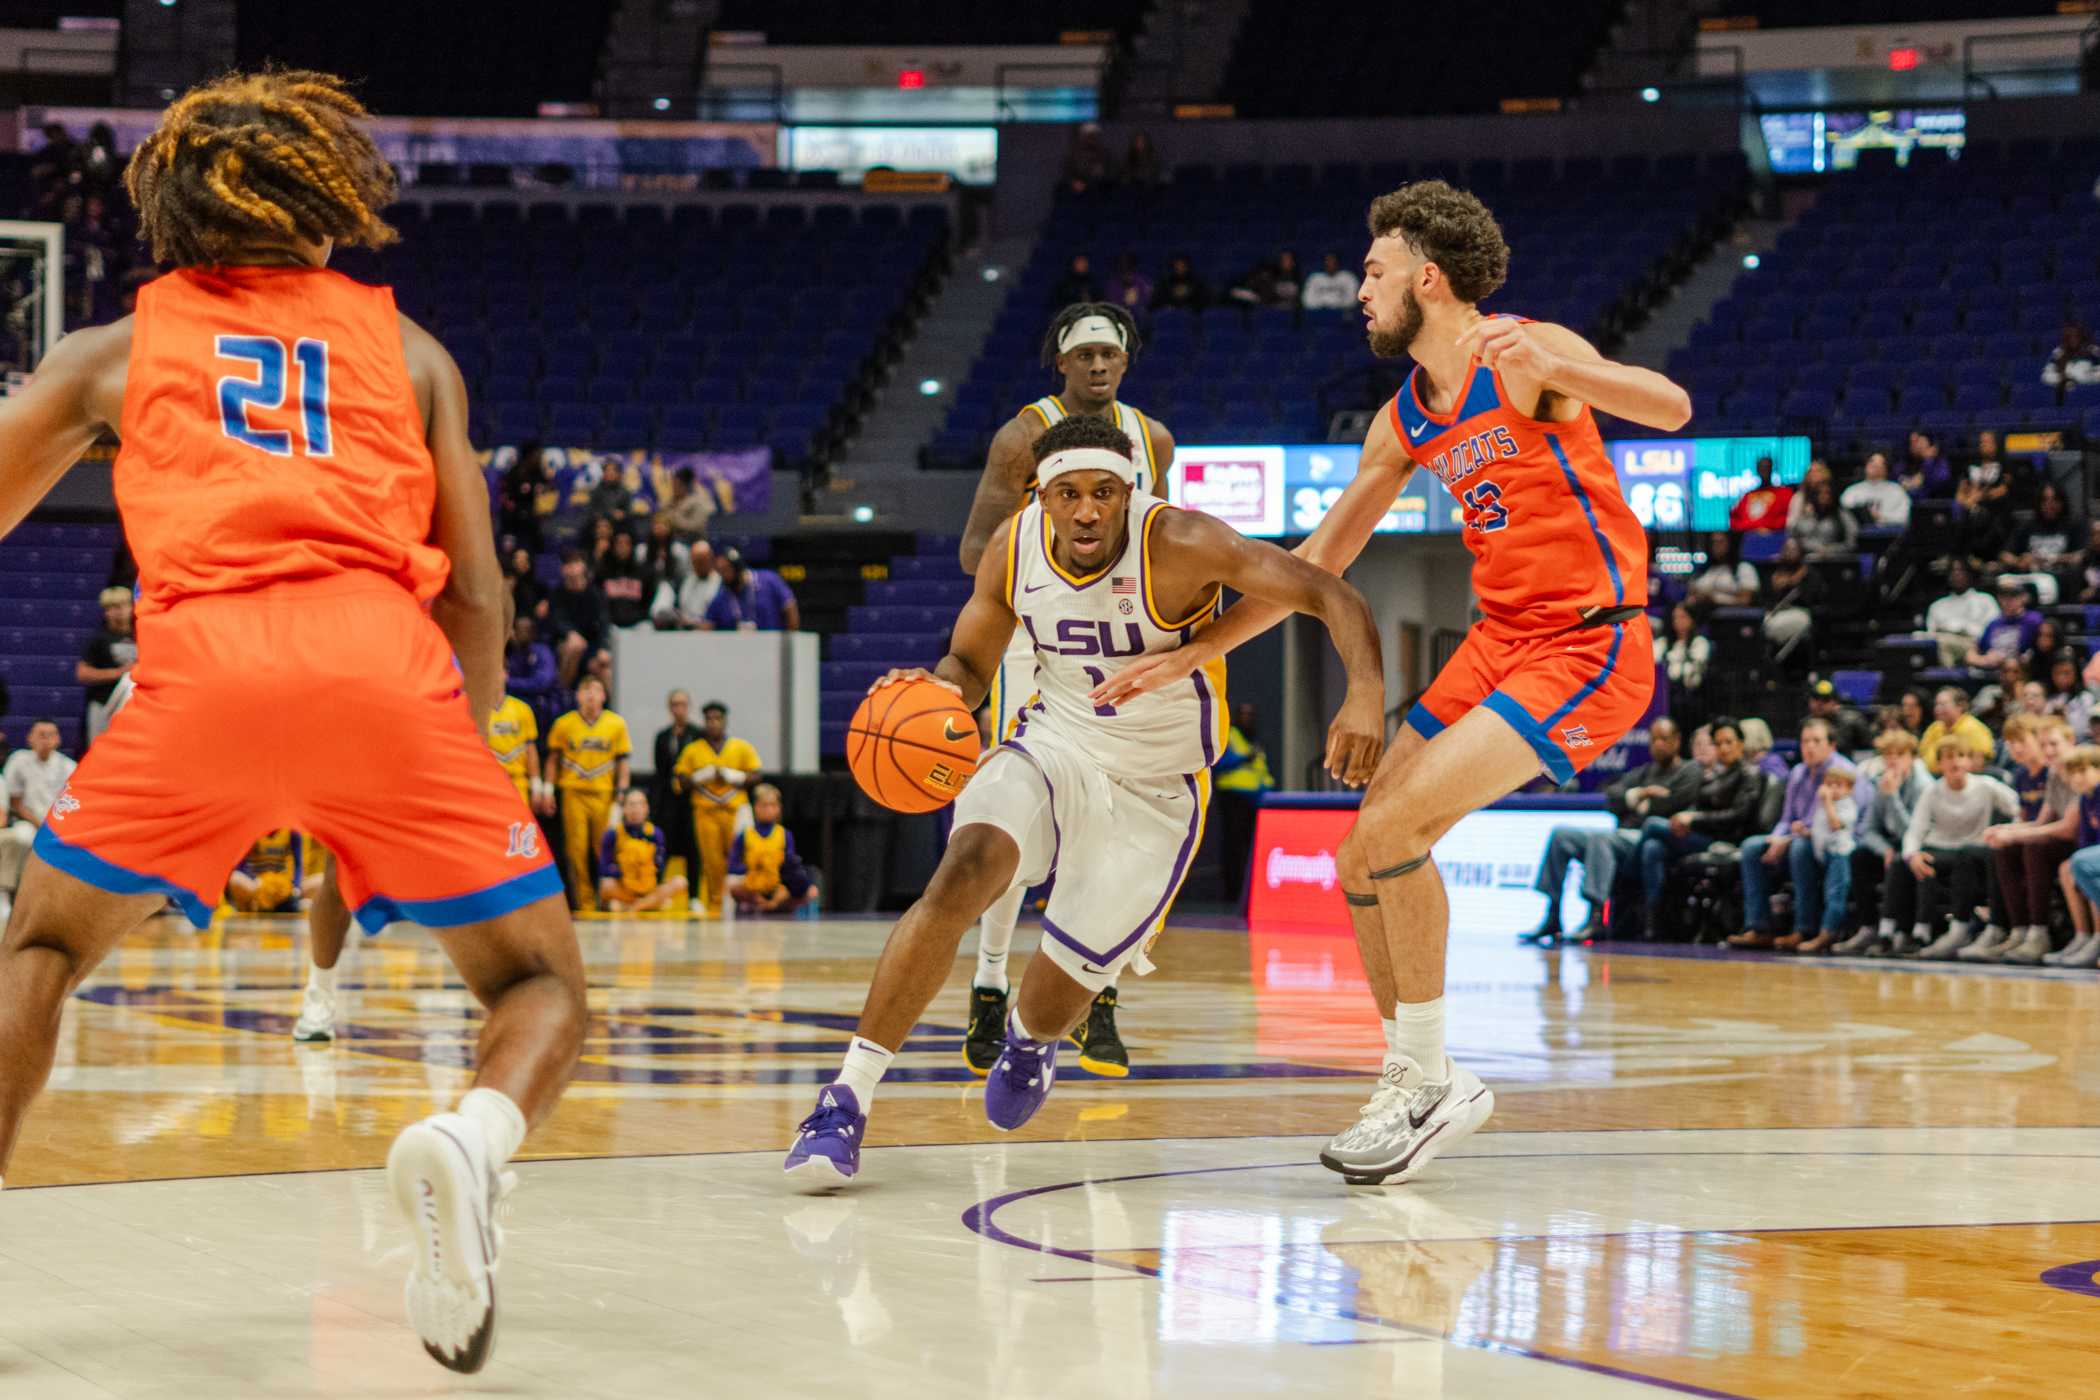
x,y
62,928
579,856
328,933
611,897
714,828
1004,831
990,988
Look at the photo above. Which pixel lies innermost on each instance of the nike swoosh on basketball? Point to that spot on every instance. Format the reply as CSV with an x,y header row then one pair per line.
x,y
1416,1123
951,733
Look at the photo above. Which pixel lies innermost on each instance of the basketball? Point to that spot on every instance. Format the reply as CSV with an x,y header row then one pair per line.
x,y
912,746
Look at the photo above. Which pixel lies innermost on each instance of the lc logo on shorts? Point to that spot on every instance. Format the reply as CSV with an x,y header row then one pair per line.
x,y
524,841
67,802
1577,736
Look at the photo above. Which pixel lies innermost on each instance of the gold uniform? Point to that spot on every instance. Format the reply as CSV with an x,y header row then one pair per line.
x,y
587,764
715,805
511,732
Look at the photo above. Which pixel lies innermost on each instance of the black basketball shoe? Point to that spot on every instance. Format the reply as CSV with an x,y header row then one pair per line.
x,y
987,1034
1100,1048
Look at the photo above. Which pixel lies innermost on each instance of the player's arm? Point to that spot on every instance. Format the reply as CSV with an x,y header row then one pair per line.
x,y
982,631
75,393
1381,472
1162,455
1007,468
1267,576
469,609
1570,373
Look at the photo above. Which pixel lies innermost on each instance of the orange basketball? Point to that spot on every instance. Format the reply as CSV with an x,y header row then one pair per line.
x,y
912,746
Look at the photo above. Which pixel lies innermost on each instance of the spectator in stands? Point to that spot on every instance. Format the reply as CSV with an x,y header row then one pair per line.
x,y
1764,506
1820,524
685,591
1726,582
715,770
530,670
1944,859
1077,284
30,782
1849,731
1130,288
1683,655
1703,753
1764,855
1272,282
2063,689
1951,720
1242,776
1792,593
612,499
1958,619
1086,166
1993,704
2052,542
1331,288
1142,168
2075,360
518,498
1822,866
2025,853
627,584
766,873
752,599
1980,528
1758,751
1926,474
2089,575
578,622
1287,282
1181,289
106,659
1818,470
1892,796
1663,786
2079,875
665,798
2048,644
690,508
631,860
1999,484
2008,635
1874,500
1722,811
527,594
1914,710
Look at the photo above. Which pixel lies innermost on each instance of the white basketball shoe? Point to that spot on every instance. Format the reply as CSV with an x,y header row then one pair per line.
x,y
316,1016
1410,1121
442,1180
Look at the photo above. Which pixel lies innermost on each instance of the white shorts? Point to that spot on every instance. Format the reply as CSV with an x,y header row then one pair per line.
x,y
1013,684
1119,847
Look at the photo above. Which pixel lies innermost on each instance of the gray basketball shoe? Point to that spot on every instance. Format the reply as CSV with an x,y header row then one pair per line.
x,y
1410,1121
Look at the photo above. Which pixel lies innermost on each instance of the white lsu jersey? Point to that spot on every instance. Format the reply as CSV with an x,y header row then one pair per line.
x,y
1014,686
1084,629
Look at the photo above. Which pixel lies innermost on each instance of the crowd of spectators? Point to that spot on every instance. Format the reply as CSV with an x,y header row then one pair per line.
x,y
1277,282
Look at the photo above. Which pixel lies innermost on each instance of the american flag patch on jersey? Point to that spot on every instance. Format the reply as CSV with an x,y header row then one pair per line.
x,y
1122,585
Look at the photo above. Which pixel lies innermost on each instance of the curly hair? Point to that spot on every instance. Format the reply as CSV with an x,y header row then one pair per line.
x,y
256,158
1450,228
1081,430
1079,311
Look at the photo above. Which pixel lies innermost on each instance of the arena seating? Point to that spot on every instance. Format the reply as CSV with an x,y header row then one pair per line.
x,y
926,21
1333,58
49,576
1795,14
1855,333
1274,375
701,326
904,622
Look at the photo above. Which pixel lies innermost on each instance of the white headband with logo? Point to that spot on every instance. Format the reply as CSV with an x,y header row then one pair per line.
x,y
1091,330
1087,459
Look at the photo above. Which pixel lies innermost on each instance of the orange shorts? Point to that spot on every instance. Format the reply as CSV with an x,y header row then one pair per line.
x,y
333,707
1572,695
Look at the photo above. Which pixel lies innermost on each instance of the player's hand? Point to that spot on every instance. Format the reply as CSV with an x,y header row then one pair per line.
x,y
1146,675
1920,865
1356,739
1509,347
898,675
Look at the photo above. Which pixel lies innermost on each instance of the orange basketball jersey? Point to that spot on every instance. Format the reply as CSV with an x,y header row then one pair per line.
x,y
1551,536
270,435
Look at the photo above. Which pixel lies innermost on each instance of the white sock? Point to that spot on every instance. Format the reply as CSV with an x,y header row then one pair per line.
x,y
866,1063
1392,1038
995,935
1418,1033
1921,932
1888,928
502,1125
321,979
1021,1032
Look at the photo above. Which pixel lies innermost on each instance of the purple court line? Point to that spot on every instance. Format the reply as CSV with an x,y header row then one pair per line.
x,y
978,1220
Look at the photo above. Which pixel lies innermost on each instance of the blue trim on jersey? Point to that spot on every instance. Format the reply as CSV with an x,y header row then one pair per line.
x,y
1611,563
1481,396
503,897
1533,733
1422,722
90,869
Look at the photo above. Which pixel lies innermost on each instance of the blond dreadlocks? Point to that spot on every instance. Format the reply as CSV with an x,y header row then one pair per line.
x,y
259,158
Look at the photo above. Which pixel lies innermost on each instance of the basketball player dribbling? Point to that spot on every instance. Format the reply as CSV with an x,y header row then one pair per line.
x,y
1556,671
313,539
1089,344
1111,798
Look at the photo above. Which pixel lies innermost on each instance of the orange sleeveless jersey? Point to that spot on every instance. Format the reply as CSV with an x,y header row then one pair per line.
x,y
1551,535
271,434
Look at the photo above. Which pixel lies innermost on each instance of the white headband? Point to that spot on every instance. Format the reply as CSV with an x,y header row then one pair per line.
x,y
1087,459
1091,330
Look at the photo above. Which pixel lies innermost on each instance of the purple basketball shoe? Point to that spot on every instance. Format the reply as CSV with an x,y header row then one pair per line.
x,y
827,1146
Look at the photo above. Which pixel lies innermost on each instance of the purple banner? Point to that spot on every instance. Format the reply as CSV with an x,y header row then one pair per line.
x,y
738,481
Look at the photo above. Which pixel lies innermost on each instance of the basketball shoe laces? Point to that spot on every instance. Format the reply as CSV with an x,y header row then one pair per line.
x,y
831,1116
444,1311
1392,1105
